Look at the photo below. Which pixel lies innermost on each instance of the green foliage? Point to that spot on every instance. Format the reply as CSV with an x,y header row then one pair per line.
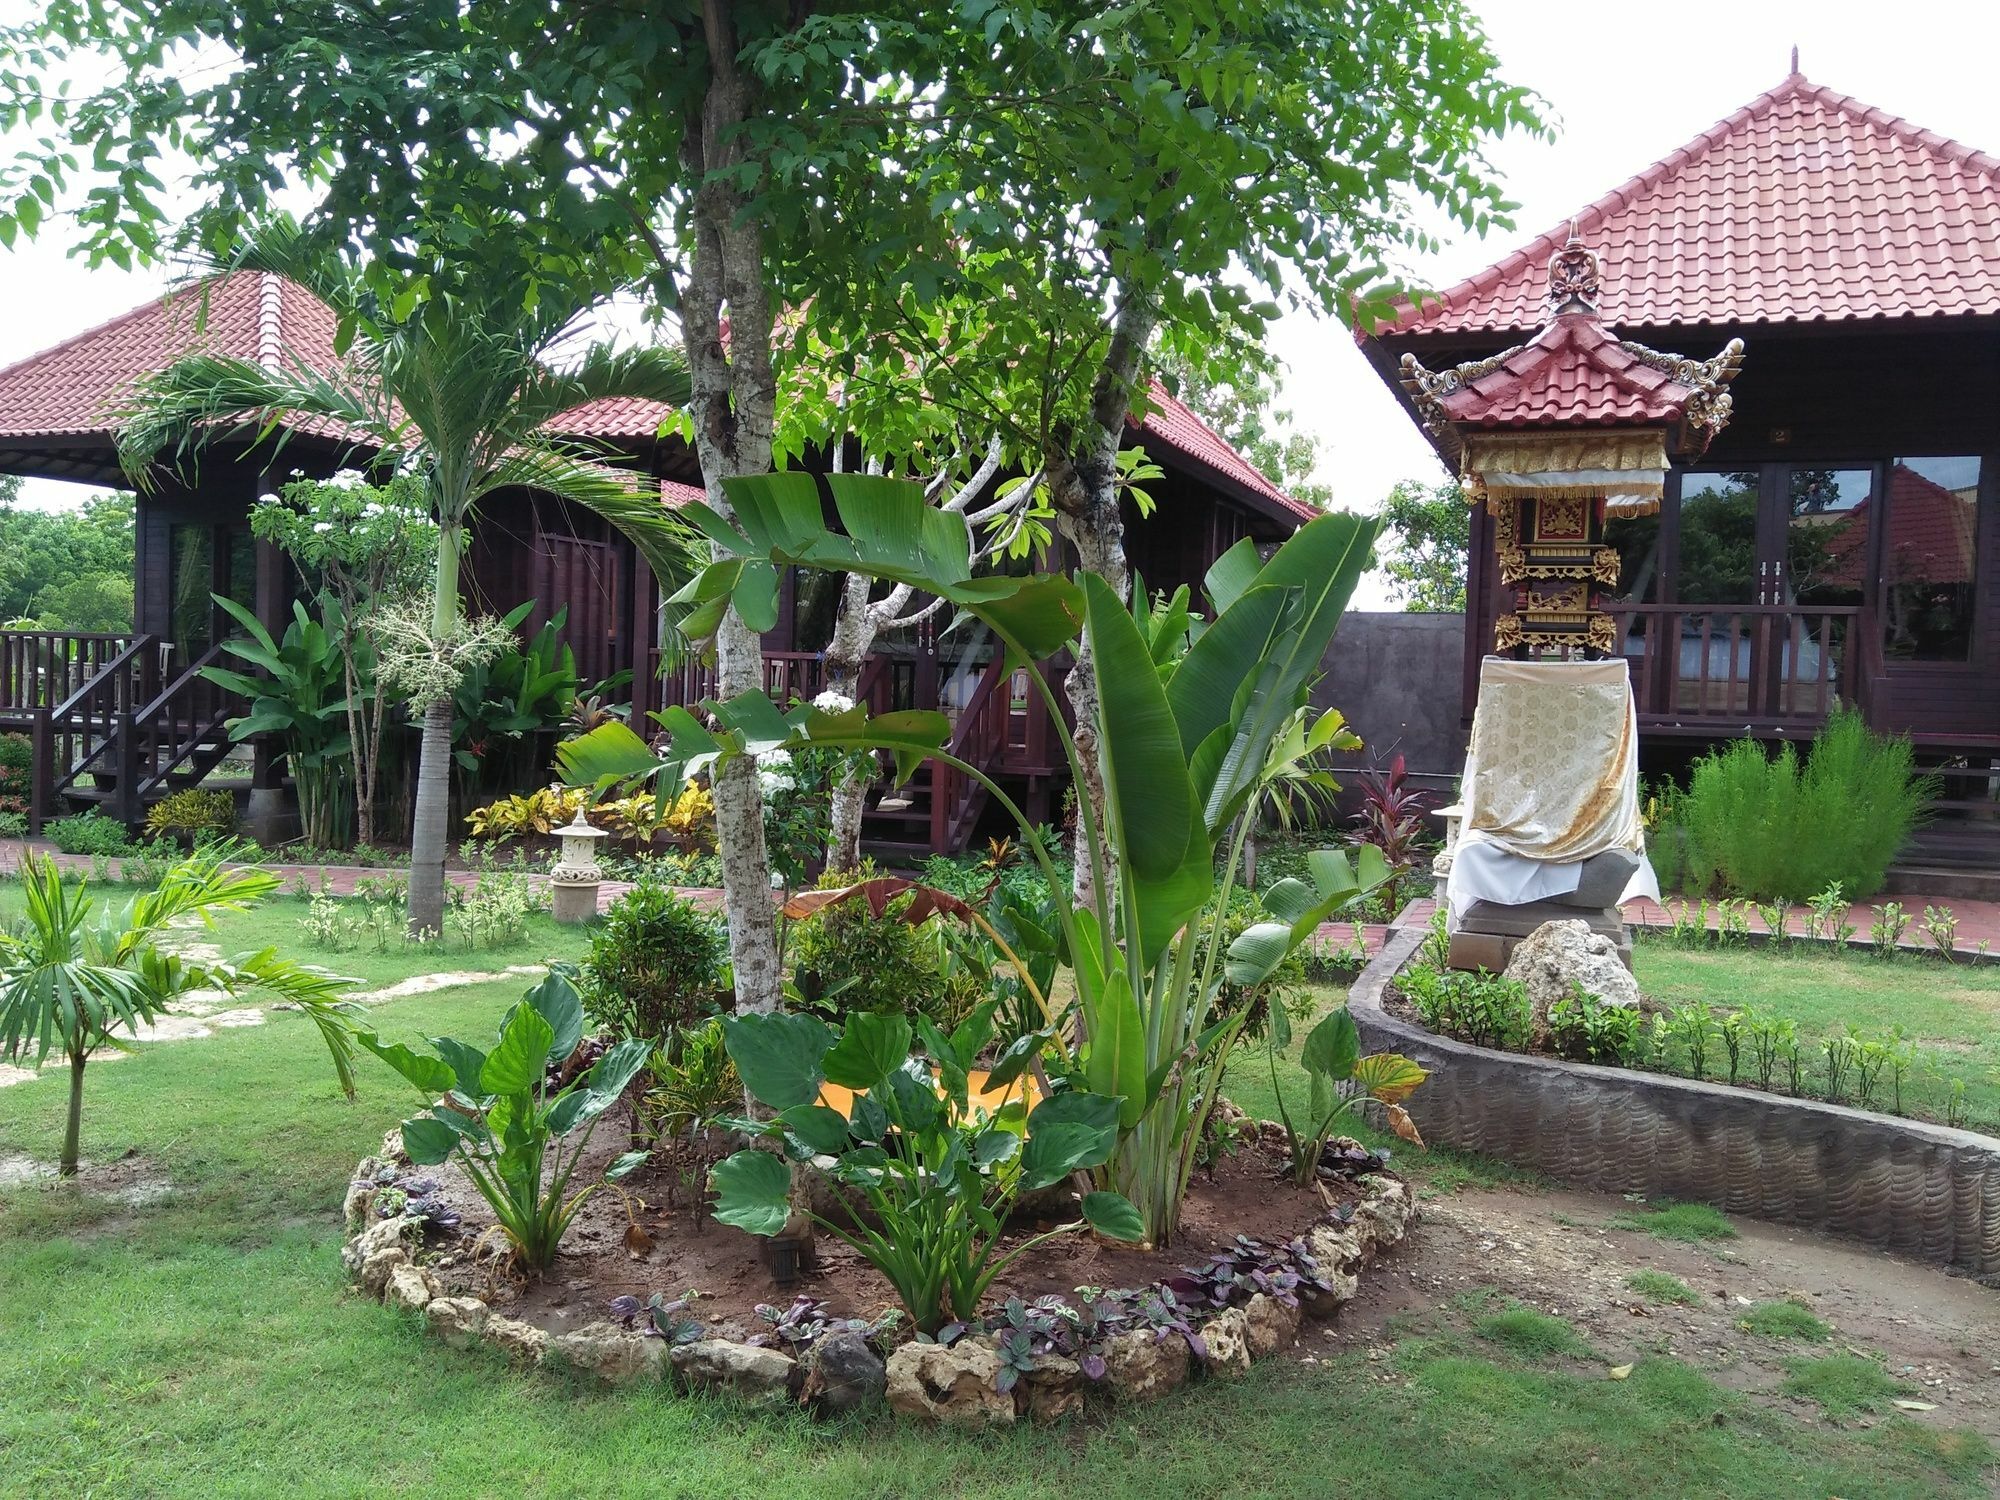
x,y
654,969
518,1138
693,1080
1690,1027
72,975
298,691
1776,827
87,602
1658,1286
13,825
1584,1028
502,703
192,813
1691,1223
1488,1010
846,958
55,562
1432,526
88,833
1784,1320
937,1173
492,911
1843,1385
1333,1062
1533,1335
1240,402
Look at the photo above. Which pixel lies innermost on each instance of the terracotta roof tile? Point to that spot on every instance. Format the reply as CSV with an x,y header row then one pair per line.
x,y
1174,423
1803,206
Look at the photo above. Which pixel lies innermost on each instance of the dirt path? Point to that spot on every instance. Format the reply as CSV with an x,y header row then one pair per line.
x,y
1553,1250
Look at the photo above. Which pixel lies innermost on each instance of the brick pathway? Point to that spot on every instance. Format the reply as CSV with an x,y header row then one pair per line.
x,y
1978,921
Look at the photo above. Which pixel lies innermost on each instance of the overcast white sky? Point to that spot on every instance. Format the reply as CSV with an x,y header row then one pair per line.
x,y
1629,82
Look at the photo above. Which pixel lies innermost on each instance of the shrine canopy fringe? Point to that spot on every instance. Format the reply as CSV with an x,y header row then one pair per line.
x,y
1626,468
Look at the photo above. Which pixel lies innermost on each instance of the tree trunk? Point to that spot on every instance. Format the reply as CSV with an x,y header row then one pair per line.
x,y
432,833
733,406
853,635
73,1130
1083,484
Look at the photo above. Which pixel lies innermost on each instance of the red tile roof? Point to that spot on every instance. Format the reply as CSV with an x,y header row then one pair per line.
x,y
1575,372
1803,206
1933,533
76,388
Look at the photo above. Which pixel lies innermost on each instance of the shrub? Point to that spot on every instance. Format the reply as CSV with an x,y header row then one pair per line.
x,y
1769,827
654,965
13,825
1485,1009
191,813
17,769
847,959
1585,1029
693,1080
88,833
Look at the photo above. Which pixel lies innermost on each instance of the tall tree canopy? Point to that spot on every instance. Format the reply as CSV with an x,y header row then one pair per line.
x,y
1424,558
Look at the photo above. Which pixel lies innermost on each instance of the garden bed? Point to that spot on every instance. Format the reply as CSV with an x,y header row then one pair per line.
x,y
1283,1253
1927,1190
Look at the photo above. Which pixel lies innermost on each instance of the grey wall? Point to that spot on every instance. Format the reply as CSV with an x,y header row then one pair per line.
x,y
1398,679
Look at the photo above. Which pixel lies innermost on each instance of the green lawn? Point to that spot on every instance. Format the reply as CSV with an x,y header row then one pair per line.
x,y
1951,1011
202,1343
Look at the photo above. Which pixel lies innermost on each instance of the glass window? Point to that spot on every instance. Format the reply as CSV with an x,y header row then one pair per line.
x,y
1826,534
1637,539
1930,556
191,558
1718,551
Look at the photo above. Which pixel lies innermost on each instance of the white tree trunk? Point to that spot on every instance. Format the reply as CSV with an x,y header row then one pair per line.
x,y
854,628
432,832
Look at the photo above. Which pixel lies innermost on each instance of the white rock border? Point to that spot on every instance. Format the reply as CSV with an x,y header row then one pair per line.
x,y
947,1385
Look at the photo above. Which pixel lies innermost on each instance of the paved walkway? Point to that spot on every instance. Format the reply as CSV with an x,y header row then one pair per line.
x,y
1977,938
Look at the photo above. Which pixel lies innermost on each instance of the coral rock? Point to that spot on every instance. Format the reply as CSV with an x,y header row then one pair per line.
x,y
1272,1325
610,1353
517,1340
1227,1337
383,1234
457,1320
407,1286
1559,955
380,1266
1140,1365
741,1368
843,1375
1052,1389
952,1386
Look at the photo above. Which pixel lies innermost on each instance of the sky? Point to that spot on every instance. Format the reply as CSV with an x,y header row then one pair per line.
x,y
1627,84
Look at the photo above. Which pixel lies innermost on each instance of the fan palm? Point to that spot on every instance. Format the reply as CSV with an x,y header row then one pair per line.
x,y
461,388
73,974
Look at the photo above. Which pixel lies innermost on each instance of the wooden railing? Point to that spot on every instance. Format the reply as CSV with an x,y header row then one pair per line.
x,y
979,738
159,736
76,736
1745,665
886,682
41,668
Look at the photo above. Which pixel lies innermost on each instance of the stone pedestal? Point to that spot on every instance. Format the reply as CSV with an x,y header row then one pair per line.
x,y
1488,932
573,900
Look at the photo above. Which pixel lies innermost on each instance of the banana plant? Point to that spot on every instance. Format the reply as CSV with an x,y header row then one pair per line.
x,y
937,1163
1196,718
519,1139
1332,1060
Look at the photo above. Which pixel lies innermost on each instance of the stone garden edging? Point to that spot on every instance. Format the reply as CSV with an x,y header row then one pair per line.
x,y
1924,1190
954,1386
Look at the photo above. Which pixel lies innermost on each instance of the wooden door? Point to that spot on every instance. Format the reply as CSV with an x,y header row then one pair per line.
x,y
583,577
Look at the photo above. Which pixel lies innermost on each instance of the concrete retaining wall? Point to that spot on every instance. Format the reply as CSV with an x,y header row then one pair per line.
x,y
1924,1190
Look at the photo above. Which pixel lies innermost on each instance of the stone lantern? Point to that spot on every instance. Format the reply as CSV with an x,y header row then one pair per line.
x,y
576,875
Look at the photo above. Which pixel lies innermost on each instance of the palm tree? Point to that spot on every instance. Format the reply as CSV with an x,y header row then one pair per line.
x,y
460,386
71,976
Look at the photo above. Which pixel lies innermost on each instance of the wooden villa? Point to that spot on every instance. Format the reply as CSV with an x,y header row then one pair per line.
x,y
119,720
1836,537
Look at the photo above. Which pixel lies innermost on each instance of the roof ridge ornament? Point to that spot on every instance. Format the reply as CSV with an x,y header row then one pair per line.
x,y
1573,277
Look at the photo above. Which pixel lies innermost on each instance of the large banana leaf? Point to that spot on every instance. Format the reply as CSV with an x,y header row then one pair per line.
x,y
1165,852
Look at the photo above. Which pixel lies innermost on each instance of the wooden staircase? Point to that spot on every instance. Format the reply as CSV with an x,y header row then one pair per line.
x,y
107,731
938,809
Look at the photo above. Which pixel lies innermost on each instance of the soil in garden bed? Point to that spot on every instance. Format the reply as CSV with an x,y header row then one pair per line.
x,y
681,1249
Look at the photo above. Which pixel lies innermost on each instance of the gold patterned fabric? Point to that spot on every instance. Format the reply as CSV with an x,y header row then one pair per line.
x,y
1553,769
1626,469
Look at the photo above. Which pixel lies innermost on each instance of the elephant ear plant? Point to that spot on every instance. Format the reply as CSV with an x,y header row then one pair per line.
x,y
519,1139
1196,722
936,1162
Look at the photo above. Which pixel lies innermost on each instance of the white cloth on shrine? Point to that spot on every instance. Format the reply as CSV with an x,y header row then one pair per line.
x,y
1551,779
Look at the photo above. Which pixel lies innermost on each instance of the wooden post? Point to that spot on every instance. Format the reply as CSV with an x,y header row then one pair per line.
x,y
126,806
641,639
42,778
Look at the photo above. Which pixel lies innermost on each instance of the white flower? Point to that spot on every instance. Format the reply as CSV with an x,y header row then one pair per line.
x,y
830,702
322,526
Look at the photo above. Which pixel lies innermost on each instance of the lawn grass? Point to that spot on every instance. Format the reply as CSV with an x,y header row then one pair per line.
x,y
1785,1320
1659,1286
1689,1223
1951,1011
204,1344
1533,1335
1844,1385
